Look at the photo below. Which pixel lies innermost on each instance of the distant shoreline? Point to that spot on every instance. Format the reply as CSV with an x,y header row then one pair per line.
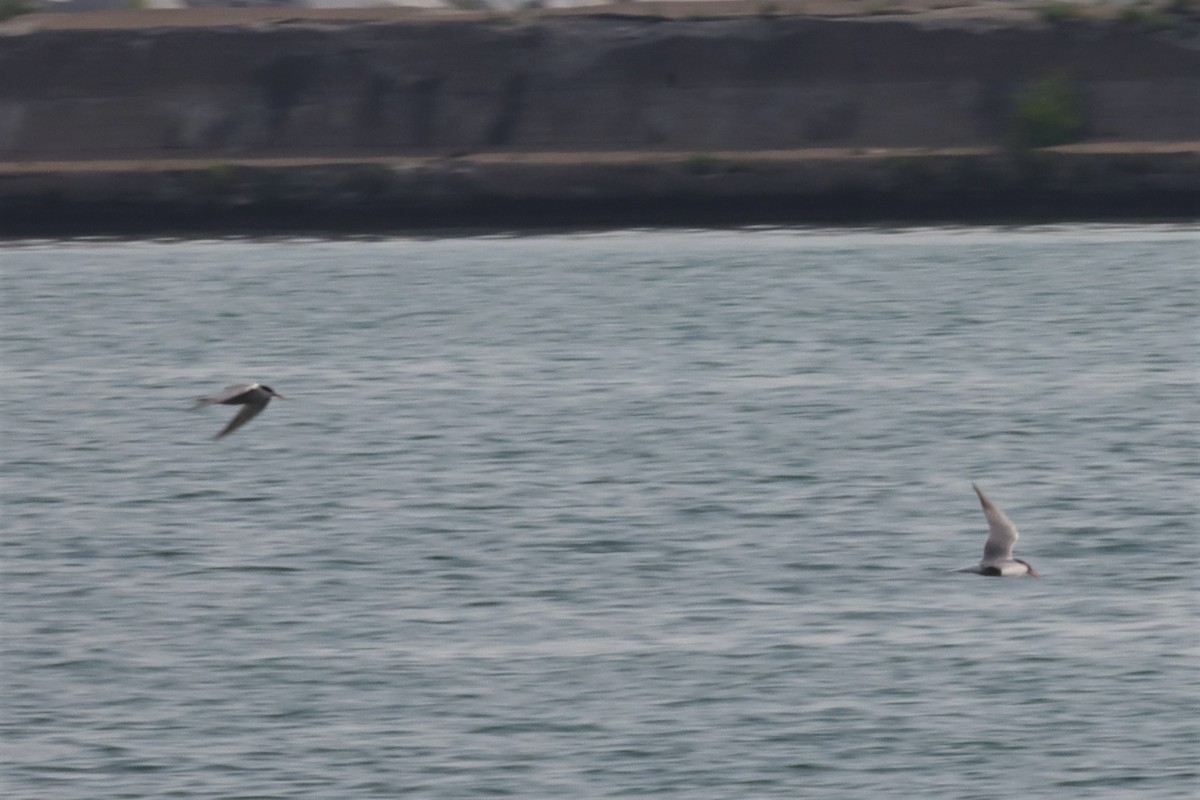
x,y
723,113
514,191
995,11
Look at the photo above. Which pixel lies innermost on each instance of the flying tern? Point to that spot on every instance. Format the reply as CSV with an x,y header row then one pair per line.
x,y
997,551
252,397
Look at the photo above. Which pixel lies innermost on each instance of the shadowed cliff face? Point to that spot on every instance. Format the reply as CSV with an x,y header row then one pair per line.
x,y
581,83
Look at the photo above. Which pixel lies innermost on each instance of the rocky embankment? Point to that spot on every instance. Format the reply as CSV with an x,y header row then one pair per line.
x,y
376,120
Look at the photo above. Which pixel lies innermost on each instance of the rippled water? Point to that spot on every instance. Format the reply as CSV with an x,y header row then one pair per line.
x,y
664,514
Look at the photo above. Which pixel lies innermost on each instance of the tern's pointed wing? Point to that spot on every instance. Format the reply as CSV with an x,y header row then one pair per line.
x,y
247,413
1002,534
226,394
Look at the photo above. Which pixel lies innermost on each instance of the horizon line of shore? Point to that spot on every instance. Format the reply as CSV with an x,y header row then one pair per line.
x,y
514,191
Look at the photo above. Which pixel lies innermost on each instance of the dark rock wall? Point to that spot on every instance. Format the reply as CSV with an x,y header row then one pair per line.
x,y
580,83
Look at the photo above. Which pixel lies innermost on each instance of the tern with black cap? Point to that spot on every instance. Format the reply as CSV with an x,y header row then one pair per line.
x,y
253,397
998,559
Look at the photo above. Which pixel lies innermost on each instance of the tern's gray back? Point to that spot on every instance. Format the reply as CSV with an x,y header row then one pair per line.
x,y
232,391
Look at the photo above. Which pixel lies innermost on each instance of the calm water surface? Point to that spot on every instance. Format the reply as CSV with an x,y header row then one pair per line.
x,y
659,514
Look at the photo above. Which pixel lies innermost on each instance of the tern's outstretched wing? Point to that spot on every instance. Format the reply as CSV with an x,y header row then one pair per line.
x,y
247,413
226,394
1002,534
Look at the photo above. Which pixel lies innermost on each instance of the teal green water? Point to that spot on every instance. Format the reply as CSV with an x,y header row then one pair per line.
x,y
661,514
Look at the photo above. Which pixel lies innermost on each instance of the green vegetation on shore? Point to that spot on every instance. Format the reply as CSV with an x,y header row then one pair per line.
x,y
1049,113
15,8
